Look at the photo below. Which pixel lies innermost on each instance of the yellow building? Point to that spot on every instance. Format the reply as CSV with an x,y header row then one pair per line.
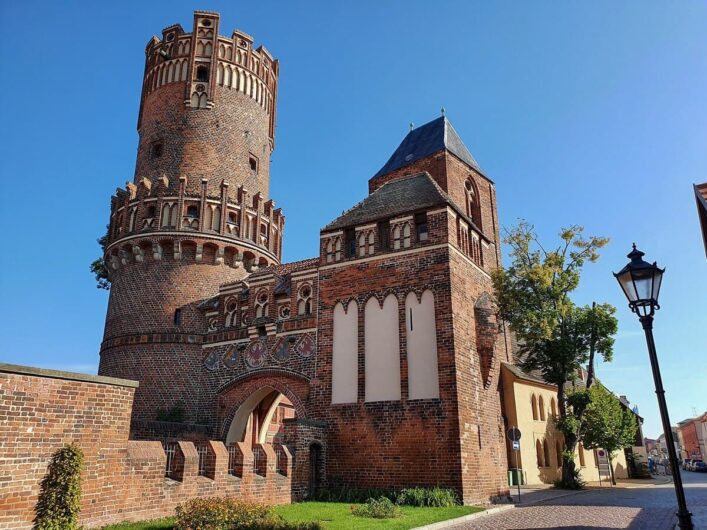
x,y
530,404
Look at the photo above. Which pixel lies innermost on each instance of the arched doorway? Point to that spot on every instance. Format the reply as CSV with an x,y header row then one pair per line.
x,y
259,419
315,469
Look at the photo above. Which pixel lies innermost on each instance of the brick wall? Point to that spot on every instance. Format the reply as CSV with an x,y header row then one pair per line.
x,y
42,410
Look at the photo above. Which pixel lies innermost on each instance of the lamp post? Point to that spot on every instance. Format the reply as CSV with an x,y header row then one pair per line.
x,y
640,282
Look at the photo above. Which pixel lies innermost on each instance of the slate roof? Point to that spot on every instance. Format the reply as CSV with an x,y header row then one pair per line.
x,y
396,197
425,141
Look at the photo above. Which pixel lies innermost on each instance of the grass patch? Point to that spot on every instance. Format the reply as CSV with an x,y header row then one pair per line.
x,y
337,516
155,524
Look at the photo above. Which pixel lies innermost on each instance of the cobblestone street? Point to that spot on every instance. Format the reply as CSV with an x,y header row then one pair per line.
x,y
643,507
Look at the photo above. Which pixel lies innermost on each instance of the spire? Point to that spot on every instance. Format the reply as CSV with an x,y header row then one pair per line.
x,y
426,140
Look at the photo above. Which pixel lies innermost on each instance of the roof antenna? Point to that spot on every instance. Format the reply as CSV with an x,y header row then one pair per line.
x,y
443,111
412,126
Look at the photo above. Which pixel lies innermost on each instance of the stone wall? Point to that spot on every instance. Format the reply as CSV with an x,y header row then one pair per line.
x,y
42,410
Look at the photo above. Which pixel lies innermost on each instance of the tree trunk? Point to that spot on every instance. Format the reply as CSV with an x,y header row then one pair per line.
x,y
568,465
611,469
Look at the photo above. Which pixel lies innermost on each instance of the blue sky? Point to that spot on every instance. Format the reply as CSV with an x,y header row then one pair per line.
x,y
589,113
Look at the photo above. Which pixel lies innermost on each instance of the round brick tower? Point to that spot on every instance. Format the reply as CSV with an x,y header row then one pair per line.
x,y
197,213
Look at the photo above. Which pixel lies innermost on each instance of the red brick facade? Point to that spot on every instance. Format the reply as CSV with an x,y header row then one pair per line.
x,y
43,410
204,316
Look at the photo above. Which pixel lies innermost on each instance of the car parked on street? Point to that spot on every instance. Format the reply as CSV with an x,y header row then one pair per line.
x,y
685,463
699,465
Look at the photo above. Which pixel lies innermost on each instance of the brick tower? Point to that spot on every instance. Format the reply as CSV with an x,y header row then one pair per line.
x,y
197,213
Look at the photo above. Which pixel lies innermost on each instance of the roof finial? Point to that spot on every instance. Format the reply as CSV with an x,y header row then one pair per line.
x,y
412,126
443,111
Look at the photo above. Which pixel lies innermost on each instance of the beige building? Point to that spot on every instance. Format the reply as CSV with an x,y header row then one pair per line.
x,y
530,404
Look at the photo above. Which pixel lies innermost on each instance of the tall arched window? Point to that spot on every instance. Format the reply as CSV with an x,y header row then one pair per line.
x,y
541,408
471,194
382,349
344,378
553,407
421,340
361,244
539,453
261,304
546,453
558,453
534,405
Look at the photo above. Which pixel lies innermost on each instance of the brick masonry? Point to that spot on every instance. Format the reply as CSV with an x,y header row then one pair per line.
x,y
42,410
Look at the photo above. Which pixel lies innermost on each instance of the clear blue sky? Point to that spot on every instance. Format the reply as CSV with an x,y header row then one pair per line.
x,y
582,112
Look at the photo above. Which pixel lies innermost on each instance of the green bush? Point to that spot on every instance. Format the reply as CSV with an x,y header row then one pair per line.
x,y
433,497
221,513
381,508
59,501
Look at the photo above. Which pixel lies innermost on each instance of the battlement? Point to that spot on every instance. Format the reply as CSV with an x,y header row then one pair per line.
x,y
204,60
146,213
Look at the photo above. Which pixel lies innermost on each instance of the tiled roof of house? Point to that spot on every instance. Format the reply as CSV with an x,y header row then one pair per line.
x,y
425,141
399,196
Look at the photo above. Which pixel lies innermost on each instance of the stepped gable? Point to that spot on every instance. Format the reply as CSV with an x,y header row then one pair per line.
x,y
426,140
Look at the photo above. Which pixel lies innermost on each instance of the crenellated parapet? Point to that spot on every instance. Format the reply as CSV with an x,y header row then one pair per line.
x,y
203,60
150,212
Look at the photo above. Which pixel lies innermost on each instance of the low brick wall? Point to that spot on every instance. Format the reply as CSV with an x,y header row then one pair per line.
x,y
42,410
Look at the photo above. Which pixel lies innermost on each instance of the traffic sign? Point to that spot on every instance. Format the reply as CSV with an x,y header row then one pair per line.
x,y
513,434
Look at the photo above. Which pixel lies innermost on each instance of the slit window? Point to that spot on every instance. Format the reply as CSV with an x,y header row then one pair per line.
x,y
421,226
177,316
350,243
253,162
384,235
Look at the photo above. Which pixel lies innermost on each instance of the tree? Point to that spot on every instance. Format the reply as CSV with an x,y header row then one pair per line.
x,y
98,266
606,424
555,336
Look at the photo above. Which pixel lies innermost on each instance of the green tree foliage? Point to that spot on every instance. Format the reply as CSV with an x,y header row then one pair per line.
x,y
59,500
98,266
607,424
555,336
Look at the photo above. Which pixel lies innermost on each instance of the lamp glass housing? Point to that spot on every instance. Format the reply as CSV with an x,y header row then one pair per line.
x,y
640,282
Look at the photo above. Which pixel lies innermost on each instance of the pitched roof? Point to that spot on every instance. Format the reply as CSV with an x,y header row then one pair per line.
x,y
425,141
536,376
393,198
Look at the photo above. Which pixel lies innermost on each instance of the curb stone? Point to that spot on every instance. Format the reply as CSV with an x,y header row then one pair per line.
x,y
465,518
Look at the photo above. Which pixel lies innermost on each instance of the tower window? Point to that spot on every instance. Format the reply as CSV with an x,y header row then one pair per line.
x,y
421,226
350,243
151,212
384,235
177,316
253,164
202,73
192,212
156,150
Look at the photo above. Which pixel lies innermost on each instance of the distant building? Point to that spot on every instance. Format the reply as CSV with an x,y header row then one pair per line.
x,y
692,434
530,403
701,198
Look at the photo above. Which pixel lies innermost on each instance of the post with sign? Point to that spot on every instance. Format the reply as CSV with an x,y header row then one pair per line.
x,y
513,435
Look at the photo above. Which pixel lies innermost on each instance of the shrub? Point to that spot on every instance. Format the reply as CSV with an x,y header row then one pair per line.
x,y
381,508
432,497
222,513
59,501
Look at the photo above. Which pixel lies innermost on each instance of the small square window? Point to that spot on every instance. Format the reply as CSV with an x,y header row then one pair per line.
x,y
156,151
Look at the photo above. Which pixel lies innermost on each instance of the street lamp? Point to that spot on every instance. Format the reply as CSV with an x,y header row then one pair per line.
x,y
640,282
